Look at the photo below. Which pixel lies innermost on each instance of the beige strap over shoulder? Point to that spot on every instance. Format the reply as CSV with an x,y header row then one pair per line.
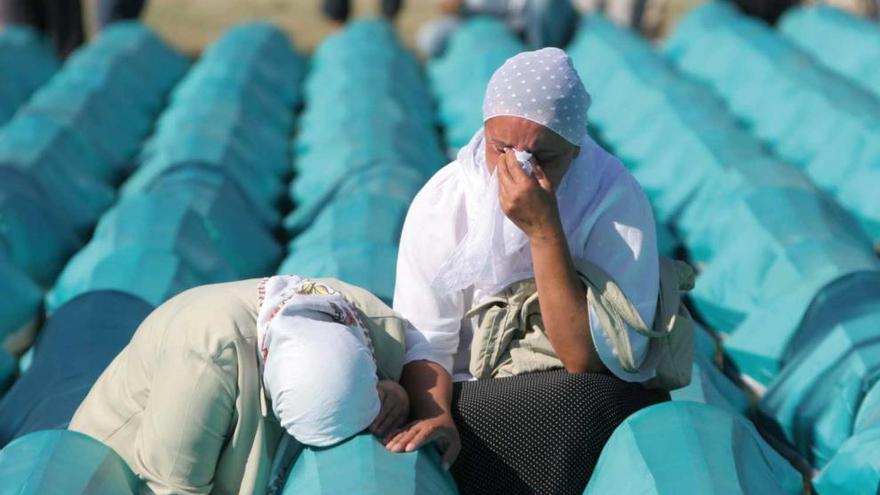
x,y
671,346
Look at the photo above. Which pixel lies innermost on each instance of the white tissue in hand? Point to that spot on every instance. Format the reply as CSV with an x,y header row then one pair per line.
x,y
523,158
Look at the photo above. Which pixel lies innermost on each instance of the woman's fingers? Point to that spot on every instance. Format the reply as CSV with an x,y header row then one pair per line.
x,y
391,441
512,178
542,178
503,167
503,176
402,439
517,174
508,187
419,433
423,436
511,175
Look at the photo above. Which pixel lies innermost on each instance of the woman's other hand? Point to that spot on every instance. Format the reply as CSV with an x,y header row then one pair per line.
x,y
394,411
528,201
440,429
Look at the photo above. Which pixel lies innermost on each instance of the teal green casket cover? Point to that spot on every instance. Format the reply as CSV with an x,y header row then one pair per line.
x,y
202,207
809,115
239,125
61,161
366,145
682,448
22,298
19,308
235,224
27,60
813,403
152,246
855,468
35,235
782,247
363,466
710,386
63,462
847,44
111,90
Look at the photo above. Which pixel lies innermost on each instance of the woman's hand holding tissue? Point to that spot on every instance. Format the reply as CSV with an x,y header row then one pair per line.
x,y
528,200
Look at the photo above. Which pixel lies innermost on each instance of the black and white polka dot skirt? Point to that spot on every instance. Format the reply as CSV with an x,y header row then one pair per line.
x,y
541,432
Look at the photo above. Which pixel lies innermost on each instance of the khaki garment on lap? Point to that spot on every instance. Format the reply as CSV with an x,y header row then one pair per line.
x,y
183,403
509,338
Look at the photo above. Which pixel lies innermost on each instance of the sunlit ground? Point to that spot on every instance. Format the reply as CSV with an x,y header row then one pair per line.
x,y
190,25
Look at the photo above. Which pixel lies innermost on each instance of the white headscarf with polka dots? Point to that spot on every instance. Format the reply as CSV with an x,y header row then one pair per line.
x,y
541,86
544,87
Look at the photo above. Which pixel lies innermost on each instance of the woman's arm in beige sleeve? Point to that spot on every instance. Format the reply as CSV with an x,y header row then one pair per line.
x,y
185,425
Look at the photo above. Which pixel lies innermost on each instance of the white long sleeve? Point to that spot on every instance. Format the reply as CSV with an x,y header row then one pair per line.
x,y
425,242
623,243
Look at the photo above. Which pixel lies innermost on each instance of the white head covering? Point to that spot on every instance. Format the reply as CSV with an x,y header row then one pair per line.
x,y
541,86
317,361
544,87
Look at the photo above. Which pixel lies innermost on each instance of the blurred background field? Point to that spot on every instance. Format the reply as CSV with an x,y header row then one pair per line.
x,y
191,25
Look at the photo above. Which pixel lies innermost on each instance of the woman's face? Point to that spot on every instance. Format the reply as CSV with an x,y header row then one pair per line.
x,y
548,149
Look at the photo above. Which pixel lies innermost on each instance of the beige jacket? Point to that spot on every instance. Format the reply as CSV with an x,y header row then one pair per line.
x,y
509,337
183,403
